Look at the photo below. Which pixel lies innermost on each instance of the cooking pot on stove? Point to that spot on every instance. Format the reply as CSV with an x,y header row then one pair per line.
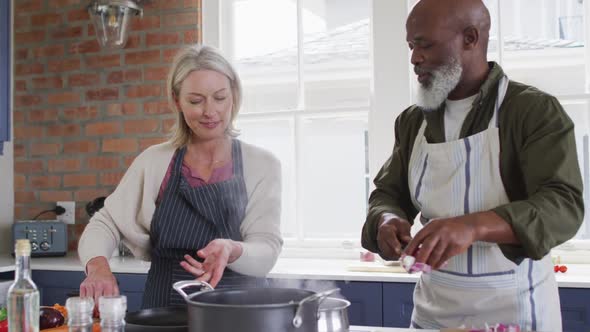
x,y
251,309
333,315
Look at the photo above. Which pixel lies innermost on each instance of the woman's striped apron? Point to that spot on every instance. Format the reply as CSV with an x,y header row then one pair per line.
x,y
186,220
460,177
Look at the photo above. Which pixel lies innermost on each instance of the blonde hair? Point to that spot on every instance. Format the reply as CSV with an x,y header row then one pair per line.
x,y
187,60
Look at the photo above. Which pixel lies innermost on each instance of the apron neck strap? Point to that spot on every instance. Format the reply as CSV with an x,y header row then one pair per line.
x,y
178,160
502,88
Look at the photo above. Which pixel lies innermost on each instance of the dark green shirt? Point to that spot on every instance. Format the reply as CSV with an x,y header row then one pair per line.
x,y
538,165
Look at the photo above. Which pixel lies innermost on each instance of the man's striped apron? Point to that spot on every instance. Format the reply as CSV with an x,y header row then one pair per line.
x,y
461,177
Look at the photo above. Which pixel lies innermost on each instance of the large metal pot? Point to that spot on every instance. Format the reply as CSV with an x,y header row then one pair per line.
x,y
251,309
333,315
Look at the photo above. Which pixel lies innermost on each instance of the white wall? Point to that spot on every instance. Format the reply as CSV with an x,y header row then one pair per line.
x,y
7,180
391,78
6,197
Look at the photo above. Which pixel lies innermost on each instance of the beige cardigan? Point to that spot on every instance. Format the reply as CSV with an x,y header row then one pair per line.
x,y
127,212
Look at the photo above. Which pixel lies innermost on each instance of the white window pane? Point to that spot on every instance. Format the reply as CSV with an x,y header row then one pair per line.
x,y
336,48
493,54
260,37
276,135
544,44
333,190
579,111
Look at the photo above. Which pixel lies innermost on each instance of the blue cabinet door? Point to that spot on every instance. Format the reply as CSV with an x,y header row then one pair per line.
x,y
57,286
575,309
398,304
132,285
366,302
4,276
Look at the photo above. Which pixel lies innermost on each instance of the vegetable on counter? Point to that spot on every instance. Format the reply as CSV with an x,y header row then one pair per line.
x,y
3,320
50,317
61,309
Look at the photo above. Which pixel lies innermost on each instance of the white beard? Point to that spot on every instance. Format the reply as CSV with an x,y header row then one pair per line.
x,y
444,80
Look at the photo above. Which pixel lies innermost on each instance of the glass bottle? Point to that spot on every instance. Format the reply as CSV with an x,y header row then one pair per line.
x,y
112,313
23,295
80,314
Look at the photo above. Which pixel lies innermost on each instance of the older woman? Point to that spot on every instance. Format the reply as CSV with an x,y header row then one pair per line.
x,y
203,204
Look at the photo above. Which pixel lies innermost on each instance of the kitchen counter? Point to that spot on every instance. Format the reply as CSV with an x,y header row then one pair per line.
x,y
383,329
577,276
6,266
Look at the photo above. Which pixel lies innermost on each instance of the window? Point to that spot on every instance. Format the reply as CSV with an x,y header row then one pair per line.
x,y
306,71
542,43
326,79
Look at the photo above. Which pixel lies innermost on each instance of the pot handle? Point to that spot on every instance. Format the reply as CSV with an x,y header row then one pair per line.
x,y
179,287
298,320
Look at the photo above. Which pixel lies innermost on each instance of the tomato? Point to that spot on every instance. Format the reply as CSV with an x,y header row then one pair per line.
x,y
556,268
4,325
562,269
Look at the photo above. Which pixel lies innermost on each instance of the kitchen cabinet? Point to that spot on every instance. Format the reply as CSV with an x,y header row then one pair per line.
x,y
575,309
386,304
57,286
398,303
366,302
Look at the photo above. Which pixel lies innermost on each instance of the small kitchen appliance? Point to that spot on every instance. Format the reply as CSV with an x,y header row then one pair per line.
x,y
48,237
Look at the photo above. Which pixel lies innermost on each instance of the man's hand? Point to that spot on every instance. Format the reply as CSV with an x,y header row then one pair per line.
x,y
393,233
216,255
442,239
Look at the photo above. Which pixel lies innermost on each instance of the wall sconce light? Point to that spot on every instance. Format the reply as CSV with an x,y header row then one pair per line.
x,y
111,20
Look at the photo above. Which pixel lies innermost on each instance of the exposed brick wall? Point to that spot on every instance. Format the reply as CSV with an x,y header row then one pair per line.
x,y
81,113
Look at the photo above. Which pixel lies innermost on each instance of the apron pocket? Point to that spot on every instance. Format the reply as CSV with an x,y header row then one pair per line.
x,y
455,300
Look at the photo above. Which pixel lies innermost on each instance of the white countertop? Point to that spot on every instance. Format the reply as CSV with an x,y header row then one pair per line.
x,y
384,329
577,276
6,266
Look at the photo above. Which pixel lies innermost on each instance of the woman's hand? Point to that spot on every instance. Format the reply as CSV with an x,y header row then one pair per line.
x,y
216,255
99,280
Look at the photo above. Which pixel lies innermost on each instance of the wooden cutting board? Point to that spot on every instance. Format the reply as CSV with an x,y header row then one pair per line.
x,y
374,267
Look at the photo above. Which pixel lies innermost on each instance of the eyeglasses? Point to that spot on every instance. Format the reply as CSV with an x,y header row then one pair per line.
x,y
560,268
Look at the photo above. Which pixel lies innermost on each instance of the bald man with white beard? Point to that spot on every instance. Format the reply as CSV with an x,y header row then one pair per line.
x,y
491,167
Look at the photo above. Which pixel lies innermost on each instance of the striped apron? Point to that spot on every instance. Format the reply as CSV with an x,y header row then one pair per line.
x,y
481,285
186,220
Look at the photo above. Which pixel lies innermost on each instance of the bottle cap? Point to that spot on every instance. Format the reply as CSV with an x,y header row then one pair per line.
x,y
22,247
80,304
112,306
